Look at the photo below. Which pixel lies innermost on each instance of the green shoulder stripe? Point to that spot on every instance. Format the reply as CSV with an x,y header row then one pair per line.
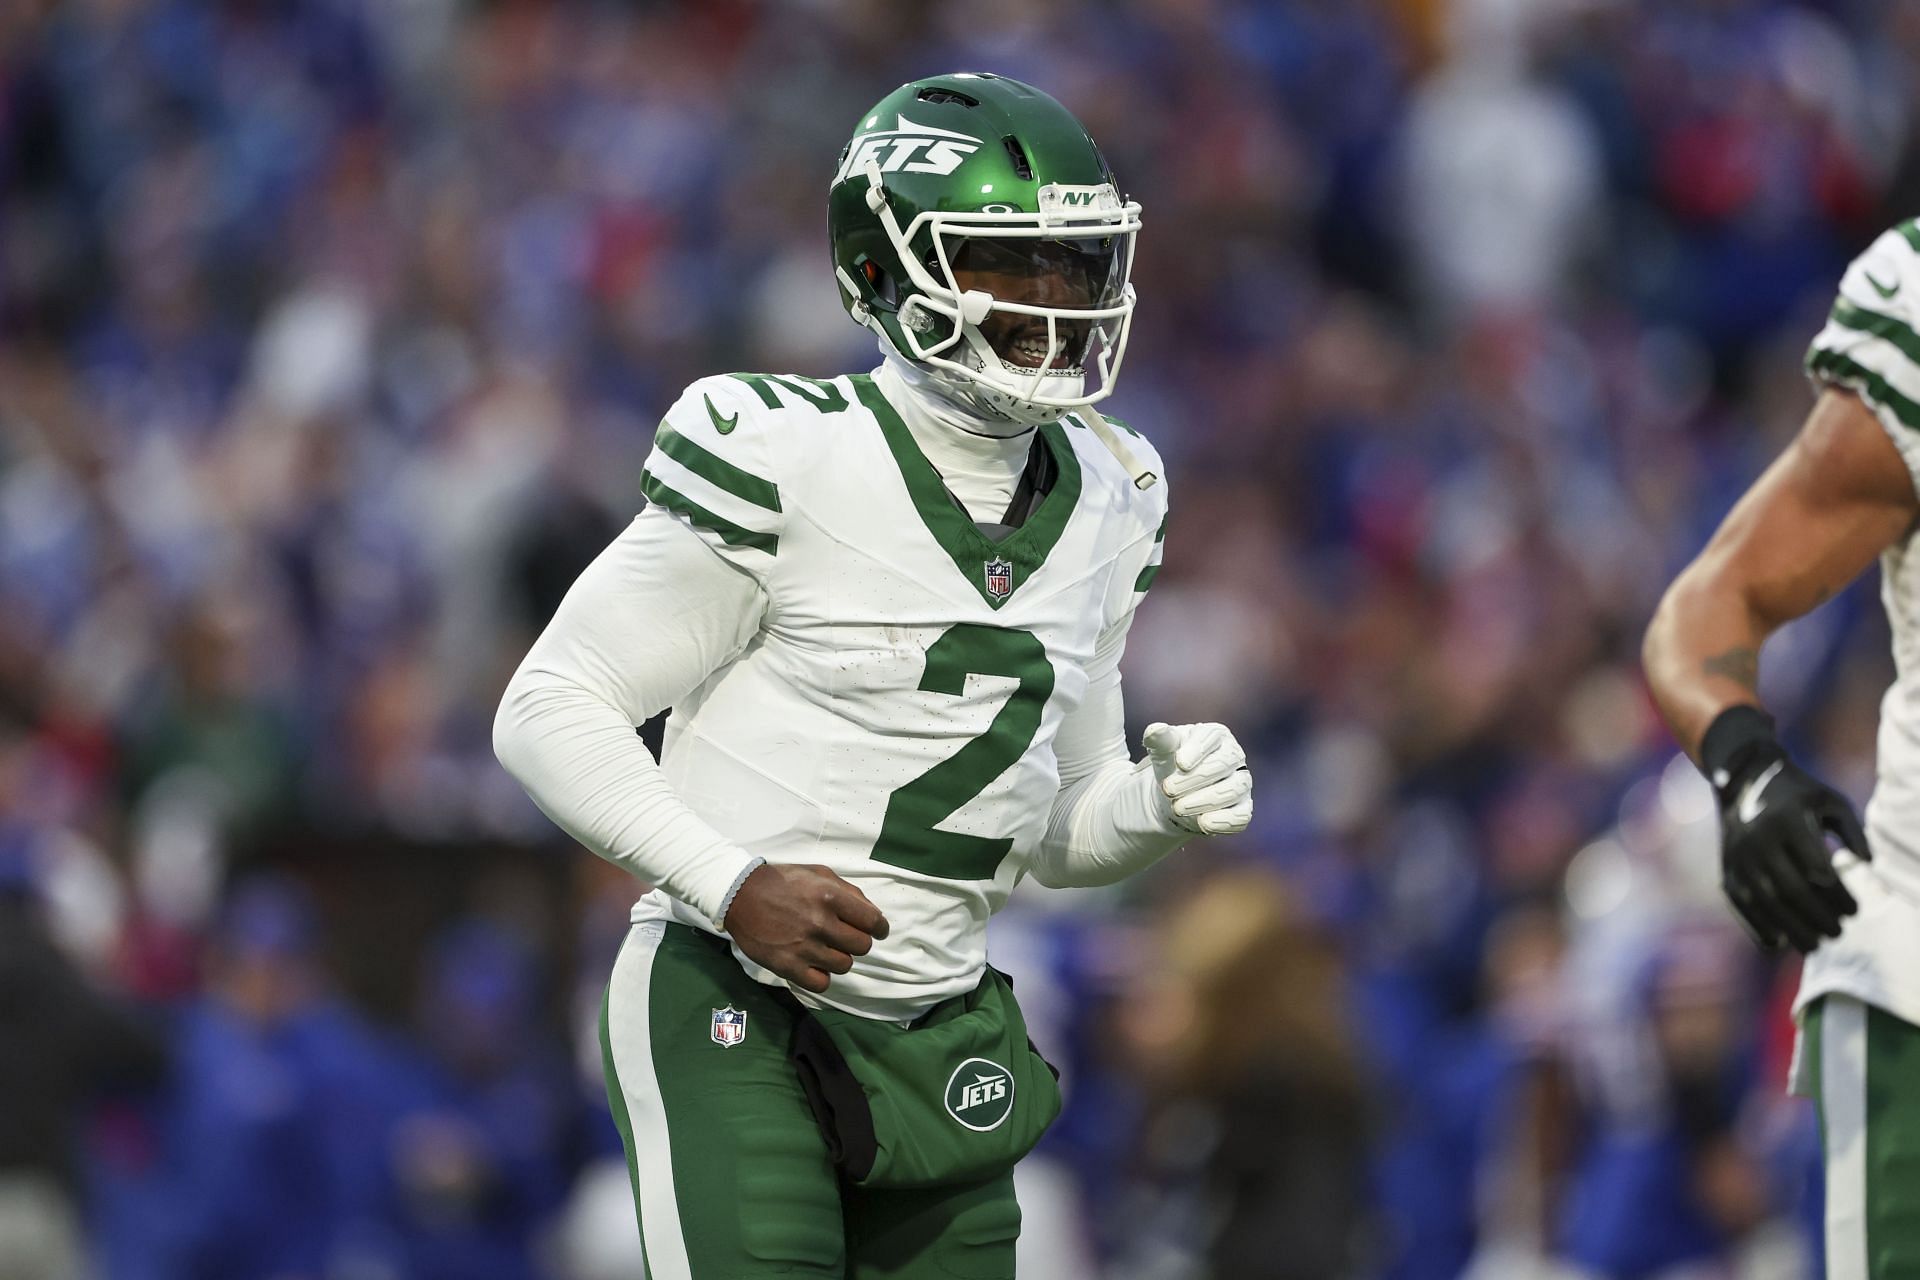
x,y
1894,330
1911,230
1160,535
730,533
716,470
1838,368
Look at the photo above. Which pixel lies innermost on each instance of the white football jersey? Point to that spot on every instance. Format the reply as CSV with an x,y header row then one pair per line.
x,y
1871,346
893,718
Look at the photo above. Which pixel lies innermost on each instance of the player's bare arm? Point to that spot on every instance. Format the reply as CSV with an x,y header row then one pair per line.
x,y
1812,523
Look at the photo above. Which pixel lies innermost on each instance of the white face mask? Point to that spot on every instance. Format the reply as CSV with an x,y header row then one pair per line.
x,y
1062,314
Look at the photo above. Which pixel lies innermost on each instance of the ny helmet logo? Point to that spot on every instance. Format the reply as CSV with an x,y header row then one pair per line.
x,y
999,579
1060,200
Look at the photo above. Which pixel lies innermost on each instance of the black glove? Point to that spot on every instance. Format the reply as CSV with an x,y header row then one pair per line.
x,y
1776,866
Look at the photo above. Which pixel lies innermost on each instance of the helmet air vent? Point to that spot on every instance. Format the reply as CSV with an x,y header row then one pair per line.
x,y
939,97
1018,154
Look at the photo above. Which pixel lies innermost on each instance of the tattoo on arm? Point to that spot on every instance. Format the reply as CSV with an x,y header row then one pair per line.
x,y
1740,664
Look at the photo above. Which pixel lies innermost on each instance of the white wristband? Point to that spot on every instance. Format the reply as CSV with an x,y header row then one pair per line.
x,y
726,903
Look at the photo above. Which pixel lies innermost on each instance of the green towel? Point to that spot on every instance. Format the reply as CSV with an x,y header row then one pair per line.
x,y
958,1096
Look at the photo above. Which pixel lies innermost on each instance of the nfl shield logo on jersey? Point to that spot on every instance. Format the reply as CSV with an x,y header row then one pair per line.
x,y
999,579
729,1026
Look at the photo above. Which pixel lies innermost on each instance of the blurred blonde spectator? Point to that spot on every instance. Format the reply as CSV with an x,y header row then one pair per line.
x,y
1238,1032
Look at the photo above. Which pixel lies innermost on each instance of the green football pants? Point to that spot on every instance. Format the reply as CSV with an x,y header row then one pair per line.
x,y
731,1178
1863,1068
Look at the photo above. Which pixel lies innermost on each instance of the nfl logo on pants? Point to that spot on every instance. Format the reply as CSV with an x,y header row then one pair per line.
x,y
729,1026
999,579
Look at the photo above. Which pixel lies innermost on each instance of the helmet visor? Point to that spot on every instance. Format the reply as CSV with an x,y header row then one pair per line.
x,y
1068,281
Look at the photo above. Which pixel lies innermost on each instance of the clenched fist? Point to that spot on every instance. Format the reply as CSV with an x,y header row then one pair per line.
x,y
1203,777
803,922
1776,821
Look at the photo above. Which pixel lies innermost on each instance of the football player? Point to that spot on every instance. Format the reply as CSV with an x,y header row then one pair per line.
x,y
887,611
1796,864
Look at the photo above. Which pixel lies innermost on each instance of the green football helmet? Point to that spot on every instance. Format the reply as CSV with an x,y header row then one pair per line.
x,y
977,229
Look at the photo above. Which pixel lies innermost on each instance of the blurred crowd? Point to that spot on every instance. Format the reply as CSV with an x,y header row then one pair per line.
x,y
332,336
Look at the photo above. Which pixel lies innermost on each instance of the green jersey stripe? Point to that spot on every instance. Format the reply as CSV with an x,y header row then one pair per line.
x,y
1894,330
1911,230
732,534
716,470
1835,367
1160,535
1147,575
1025,549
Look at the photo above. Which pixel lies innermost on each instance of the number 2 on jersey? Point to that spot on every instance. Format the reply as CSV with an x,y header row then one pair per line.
x,y
823,396
909,834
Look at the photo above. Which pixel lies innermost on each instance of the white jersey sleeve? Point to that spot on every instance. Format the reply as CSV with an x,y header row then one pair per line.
x,y
1094,735
713,467
1108,821
650,619
1871,342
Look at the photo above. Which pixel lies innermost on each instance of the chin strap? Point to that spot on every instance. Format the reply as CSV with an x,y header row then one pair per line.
x,y
1142,478
919,379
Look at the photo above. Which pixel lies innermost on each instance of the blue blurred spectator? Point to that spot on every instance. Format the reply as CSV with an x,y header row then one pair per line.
x,y
1677,1179
481,1150
241,1186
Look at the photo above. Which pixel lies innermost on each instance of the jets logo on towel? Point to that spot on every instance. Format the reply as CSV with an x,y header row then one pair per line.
x,y
980,1094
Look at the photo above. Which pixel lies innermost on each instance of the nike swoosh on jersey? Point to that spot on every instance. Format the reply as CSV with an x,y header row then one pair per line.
x,y
720,424
1749,807
1884,290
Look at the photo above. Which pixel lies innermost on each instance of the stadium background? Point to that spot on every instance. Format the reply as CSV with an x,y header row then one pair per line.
x,y
333,332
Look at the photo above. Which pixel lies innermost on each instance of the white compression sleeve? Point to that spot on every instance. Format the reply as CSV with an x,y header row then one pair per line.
x,y
1109,819
650,619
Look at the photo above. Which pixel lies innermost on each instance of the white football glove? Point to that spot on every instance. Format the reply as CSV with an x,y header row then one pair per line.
x,y
1202,772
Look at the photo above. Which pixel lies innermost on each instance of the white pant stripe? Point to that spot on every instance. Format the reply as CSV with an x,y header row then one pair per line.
x,y
1843,1109
630,1039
